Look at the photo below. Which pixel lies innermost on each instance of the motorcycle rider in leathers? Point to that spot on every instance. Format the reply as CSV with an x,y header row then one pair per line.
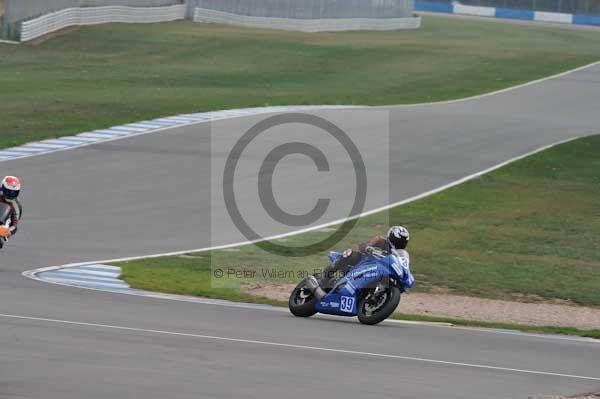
x,y
10,188
395,243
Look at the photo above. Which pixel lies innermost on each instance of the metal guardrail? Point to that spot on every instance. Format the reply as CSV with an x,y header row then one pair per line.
x,y
98,15
575,7
589,7
510,13
310,9
307,25
22,10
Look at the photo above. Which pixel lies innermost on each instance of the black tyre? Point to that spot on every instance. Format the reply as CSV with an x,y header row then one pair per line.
x,y
302,301
372,310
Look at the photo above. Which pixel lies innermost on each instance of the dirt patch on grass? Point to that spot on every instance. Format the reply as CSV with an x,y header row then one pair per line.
x,y
470,308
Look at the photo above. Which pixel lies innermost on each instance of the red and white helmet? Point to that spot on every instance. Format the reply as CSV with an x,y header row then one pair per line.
x,y
10,188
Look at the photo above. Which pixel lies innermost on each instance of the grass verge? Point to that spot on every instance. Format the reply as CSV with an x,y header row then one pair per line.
x,y
176,275
107,75
529,231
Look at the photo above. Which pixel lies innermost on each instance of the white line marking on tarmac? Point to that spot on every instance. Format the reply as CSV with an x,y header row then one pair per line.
x,y
493,93
11,153
97,135
115,269
83,277
129,128
79,283
303,347
144,125
27,148
59,143
92,272
112,132
45,146
218,115
33,273
319,227
79,139
200,118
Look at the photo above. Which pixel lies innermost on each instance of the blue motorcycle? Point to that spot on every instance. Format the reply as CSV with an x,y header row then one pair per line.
x,y
371,290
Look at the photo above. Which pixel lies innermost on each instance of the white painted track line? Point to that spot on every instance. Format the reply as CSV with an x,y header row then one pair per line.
x,y
73,276
105,267
185,120
302,347
92,273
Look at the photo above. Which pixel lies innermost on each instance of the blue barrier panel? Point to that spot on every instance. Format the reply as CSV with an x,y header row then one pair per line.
x,y
511,13
581,19
433,7
514,13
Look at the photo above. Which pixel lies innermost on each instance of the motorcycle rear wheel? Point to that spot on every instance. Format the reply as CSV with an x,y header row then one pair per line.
x,y
302,302
372,313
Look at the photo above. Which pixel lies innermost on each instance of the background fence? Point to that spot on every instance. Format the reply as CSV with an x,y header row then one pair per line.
x,y
57,20
20,10
46,15
2,23
307,25
311,9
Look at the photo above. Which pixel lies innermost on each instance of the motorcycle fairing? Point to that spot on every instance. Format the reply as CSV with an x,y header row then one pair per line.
x,y
343,298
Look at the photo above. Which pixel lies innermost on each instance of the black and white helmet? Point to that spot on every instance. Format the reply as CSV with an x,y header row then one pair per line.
x,y
398,237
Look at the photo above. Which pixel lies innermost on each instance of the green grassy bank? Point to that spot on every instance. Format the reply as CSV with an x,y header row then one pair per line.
x,y
529,231
112,74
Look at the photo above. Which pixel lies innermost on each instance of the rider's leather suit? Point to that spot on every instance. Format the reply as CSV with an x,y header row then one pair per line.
x,y
351,257
15,215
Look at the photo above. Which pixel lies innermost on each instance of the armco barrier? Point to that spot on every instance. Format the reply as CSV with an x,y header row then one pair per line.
x,y
98,15
310,9
433,6
458,8
23,10
586,19
307,25
553,17
510,13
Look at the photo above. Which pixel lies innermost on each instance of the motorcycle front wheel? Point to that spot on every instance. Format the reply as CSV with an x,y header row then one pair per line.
x,y
302,301
374,308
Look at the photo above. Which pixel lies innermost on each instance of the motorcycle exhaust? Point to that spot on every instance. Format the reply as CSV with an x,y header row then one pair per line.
x,y
313,285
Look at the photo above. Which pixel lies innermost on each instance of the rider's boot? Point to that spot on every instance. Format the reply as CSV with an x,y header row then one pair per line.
x,y
313,285
327,277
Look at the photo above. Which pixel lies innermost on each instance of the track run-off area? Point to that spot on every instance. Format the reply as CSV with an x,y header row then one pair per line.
x,y
64,342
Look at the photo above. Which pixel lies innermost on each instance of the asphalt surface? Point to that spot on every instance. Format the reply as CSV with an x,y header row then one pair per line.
x,y
111,200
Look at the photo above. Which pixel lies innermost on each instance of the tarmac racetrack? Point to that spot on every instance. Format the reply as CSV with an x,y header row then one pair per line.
x,y
110,200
